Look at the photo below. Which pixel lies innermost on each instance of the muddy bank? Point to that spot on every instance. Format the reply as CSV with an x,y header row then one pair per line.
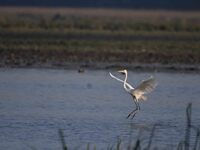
x,y
143,61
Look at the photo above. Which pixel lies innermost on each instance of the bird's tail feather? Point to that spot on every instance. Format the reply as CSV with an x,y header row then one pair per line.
x,y
144,98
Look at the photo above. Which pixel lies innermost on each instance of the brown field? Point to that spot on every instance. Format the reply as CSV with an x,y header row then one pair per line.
x,y
99,12
36,36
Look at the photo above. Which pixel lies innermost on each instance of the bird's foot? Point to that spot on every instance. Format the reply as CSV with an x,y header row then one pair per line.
x,y
133,116
128,116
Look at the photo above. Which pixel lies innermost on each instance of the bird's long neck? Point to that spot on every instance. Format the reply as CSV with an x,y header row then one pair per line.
x,y
125,83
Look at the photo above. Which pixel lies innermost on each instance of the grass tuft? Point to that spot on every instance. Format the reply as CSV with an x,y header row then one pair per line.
x,y
62,139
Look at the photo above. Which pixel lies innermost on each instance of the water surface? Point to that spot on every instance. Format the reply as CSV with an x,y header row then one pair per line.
x,y
91,108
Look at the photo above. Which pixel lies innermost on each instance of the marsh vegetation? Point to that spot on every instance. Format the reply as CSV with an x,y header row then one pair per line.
x,y
31,36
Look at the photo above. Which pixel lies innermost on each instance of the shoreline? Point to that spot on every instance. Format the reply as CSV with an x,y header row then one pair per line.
x,y
82,66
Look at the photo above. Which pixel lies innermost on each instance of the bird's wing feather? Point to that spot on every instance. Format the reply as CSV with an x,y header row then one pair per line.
x,y
128,85
145,86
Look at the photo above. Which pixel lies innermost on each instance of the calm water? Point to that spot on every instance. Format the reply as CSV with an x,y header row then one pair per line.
x,y
91,108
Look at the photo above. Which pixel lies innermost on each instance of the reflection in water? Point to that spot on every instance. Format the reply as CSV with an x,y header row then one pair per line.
x,y
90,108
141,126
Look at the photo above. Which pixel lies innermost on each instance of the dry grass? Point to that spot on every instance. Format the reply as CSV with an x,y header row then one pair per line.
x,y
98,19
100,35
99,12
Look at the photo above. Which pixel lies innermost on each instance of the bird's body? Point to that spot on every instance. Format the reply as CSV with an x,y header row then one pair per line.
x,y
138,93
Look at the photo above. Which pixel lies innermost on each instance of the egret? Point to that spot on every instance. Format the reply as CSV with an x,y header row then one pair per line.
x,y
138,93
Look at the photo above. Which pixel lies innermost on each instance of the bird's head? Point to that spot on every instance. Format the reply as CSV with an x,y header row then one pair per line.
x,y
123,71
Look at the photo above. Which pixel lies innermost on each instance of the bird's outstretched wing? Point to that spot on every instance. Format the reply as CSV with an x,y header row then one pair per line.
x,y
145,87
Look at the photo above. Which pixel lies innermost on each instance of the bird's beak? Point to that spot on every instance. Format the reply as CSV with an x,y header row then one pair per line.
x,y
121,71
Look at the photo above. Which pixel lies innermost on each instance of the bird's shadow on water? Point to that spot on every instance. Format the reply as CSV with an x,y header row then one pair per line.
x,y
134,126
140,135
148,126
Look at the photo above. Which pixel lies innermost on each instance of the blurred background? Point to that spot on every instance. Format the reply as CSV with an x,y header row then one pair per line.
x,y
100,33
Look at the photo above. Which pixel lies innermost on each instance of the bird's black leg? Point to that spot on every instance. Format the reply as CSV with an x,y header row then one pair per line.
x,y
137,109
131,113
138,106
134,111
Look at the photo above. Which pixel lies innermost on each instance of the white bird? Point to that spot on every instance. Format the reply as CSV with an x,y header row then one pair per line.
x,y
138,93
